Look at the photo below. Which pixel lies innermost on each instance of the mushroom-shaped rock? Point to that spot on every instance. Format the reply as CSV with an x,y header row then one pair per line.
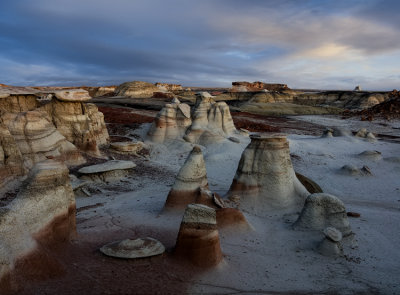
x,y
212,121
108,171
72,95
265,178
138,248
321,211
198,238
171,122
191,178
330,245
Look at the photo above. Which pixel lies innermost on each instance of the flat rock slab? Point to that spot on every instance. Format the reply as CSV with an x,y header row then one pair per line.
x,y
72,95
138,248
107,166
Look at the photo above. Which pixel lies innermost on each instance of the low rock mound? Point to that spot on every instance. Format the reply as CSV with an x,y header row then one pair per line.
x,y
321,211
108,171
138,248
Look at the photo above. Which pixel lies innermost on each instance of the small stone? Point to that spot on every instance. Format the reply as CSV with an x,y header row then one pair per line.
x,y
333,234
366,171
234,139
138,248
353,214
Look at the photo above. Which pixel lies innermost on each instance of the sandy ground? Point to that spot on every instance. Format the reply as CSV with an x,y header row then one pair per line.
x,y
272,258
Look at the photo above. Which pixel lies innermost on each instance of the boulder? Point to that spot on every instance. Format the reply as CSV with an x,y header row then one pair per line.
x,y
136,89
265,179
191,179
321,211
171,122
137,248
198,238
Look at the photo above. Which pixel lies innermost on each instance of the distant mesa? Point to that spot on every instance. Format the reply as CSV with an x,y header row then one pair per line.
x,y
169,87
244,86
265,179
136,89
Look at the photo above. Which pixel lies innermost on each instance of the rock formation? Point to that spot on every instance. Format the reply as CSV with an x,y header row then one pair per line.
x,y
357,88
127,147
191,179
136,89
265,178
198,238
212,121
43,212
321,211
258,86
171,122
137,248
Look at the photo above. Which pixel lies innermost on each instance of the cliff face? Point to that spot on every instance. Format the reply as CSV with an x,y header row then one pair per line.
x,y
258,86
38,125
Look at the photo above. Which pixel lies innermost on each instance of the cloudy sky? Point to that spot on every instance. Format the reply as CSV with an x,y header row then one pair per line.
x,y
306,44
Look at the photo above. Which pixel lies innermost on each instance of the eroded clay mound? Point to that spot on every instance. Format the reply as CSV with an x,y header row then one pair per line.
x,y
44,210
198,238
212,121
321,211
191,179
171,122
136,89
265,178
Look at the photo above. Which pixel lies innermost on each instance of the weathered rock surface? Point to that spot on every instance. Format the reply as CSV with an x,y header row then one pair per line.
x,y
265,178
321,211
136,89
138,248
171,122
212,121
72,95
191,179
198,238
43,210
370,155
37,138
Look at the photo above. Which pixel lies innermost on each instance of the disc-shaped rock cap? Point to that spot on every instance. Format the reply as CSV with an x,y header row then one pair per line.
x,y
138,248
107,166
199,214
333,234
72,95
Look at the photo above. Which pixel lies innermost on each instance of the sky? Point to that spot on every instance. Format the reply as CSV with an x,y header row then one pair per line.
x,y
303,43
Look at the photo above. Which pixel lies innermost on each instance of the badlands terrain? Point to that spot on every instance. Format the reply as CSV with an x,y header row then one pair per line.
x,y
161,189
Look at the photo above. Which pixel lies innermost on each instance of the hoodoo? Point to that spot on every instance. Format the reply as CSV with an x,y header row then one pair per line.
x,y
191,179
198,238
265,178
212,121
171,122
